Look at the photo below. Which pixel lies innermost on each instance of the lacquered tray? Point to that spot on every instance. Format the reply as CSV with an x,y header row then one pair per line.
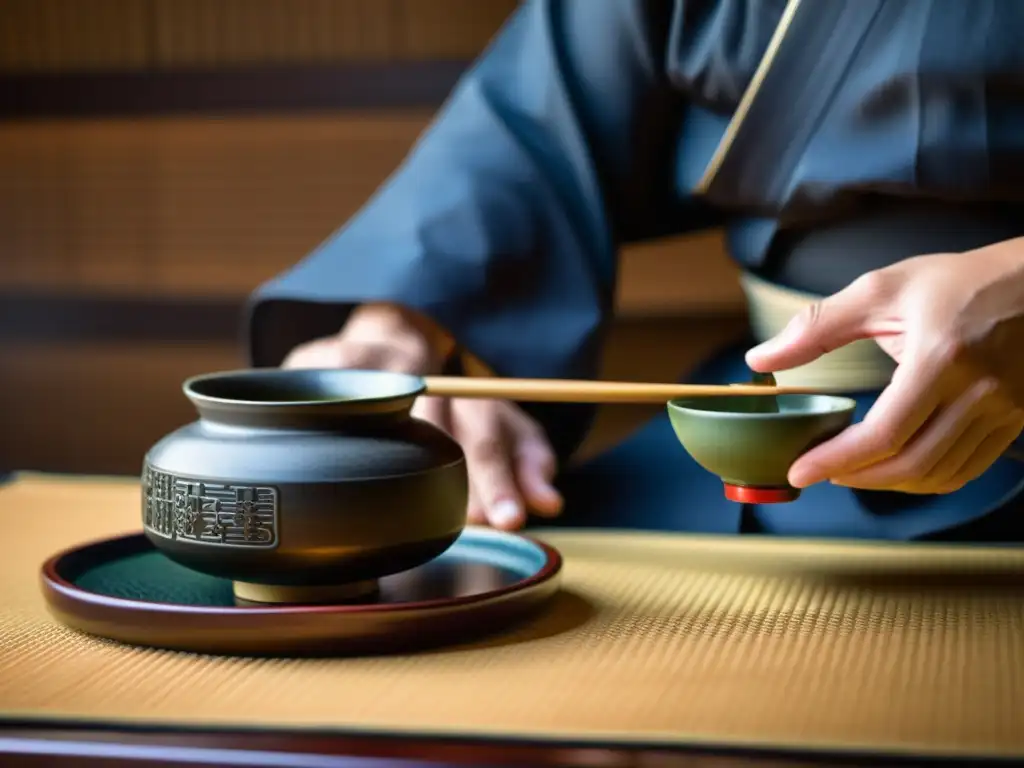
x,y
125,590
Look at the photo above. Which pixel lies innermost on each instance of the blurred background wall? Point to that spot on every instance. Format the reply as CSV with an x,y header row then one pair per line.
x,y
161,158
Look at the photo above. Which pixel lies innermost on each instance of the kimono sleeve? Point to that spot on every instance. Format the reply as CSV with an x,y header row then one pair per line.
x,y
503,222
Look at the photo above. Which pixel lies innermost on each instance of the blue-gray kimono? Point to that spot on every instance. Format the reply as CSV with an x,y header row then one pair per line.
x,y
829,137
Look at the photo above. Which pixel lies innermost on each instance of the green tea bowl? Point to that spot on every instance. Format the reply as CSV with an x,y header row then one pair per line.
x,y
751,441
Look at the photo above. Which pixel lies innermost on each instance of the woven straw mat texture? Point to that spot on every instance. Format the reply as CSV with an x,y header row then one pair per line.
x,y
655,639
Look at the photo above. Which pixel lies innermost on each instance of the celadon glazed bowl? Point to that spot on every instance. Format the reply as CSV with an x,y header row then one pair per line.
x,y
750,441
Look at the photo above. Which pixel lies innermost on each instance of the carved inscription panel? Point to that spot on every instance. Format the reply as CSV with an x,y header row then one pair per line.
x,y
208,513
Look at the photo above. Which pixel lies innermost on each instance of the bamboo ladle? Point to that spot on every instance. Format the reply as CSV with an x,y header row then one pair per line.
x,y
570,391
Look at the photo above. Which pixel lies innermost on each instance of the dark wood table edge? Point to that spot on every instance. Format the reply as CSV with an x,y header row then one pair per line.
x,y
36,743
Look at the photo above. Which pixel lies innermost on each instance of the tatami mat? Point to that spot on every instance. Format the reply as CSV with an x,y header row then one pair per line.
x,y
655,639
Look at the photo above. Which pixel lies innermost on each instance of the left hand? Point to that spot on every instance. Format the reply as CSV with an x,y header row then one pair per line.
x,y
954,323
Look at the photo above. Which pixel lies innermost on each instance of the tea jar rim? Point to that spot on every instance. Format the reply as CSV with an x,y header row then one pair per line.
x,y
395,387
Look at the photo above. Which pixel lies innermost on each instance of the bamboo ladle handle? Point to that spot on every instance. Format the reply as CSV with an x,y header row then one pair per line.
x,y
569,391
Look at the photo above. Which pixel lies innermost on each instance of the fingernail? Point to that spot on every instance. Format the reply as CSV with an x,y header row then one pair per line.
x,y
547,501
762,354
549,493
504,513
801,479
776,342
760,349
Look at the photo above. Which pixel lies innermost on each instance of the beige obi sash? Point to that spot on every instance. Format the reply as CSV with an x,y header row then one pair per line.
x,y
861,366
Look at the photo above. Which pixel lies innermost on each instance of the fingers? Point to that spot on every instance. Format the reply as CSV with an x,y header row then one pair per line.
x,y
511,464
438,411
322,353
535,469
938,450
954,445
899,413
479,427
336,352
983,456
377,338
832,323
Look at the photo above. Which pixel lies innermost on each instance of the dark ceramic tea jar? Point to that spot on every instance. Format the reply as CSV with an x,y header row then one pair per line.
x,y
304,485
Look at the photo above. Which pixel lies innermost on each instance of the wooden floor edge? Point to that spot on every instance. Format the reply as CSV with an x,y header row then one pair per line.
x,y
21,479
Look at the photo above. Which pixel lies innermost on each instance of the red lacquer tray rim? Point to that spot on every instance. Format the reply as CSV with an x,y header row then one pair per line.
x,y
56,587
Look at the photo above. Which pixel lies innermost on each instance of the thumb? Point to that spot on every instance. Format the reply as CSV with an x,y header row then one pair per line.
x,y
821,328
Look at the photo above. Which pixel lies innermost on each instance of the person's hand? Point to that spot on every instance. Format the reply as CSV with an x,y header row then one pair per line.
x,y
510,461
954,323
511,464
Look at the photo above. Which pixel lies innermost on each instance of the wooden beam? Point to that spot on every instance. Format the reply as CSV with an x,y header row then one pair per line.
x,y
261,89
41,318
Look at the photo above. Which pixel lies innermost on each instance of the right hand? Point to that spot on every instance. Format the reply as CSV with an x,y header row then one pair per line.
x,y
510,461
